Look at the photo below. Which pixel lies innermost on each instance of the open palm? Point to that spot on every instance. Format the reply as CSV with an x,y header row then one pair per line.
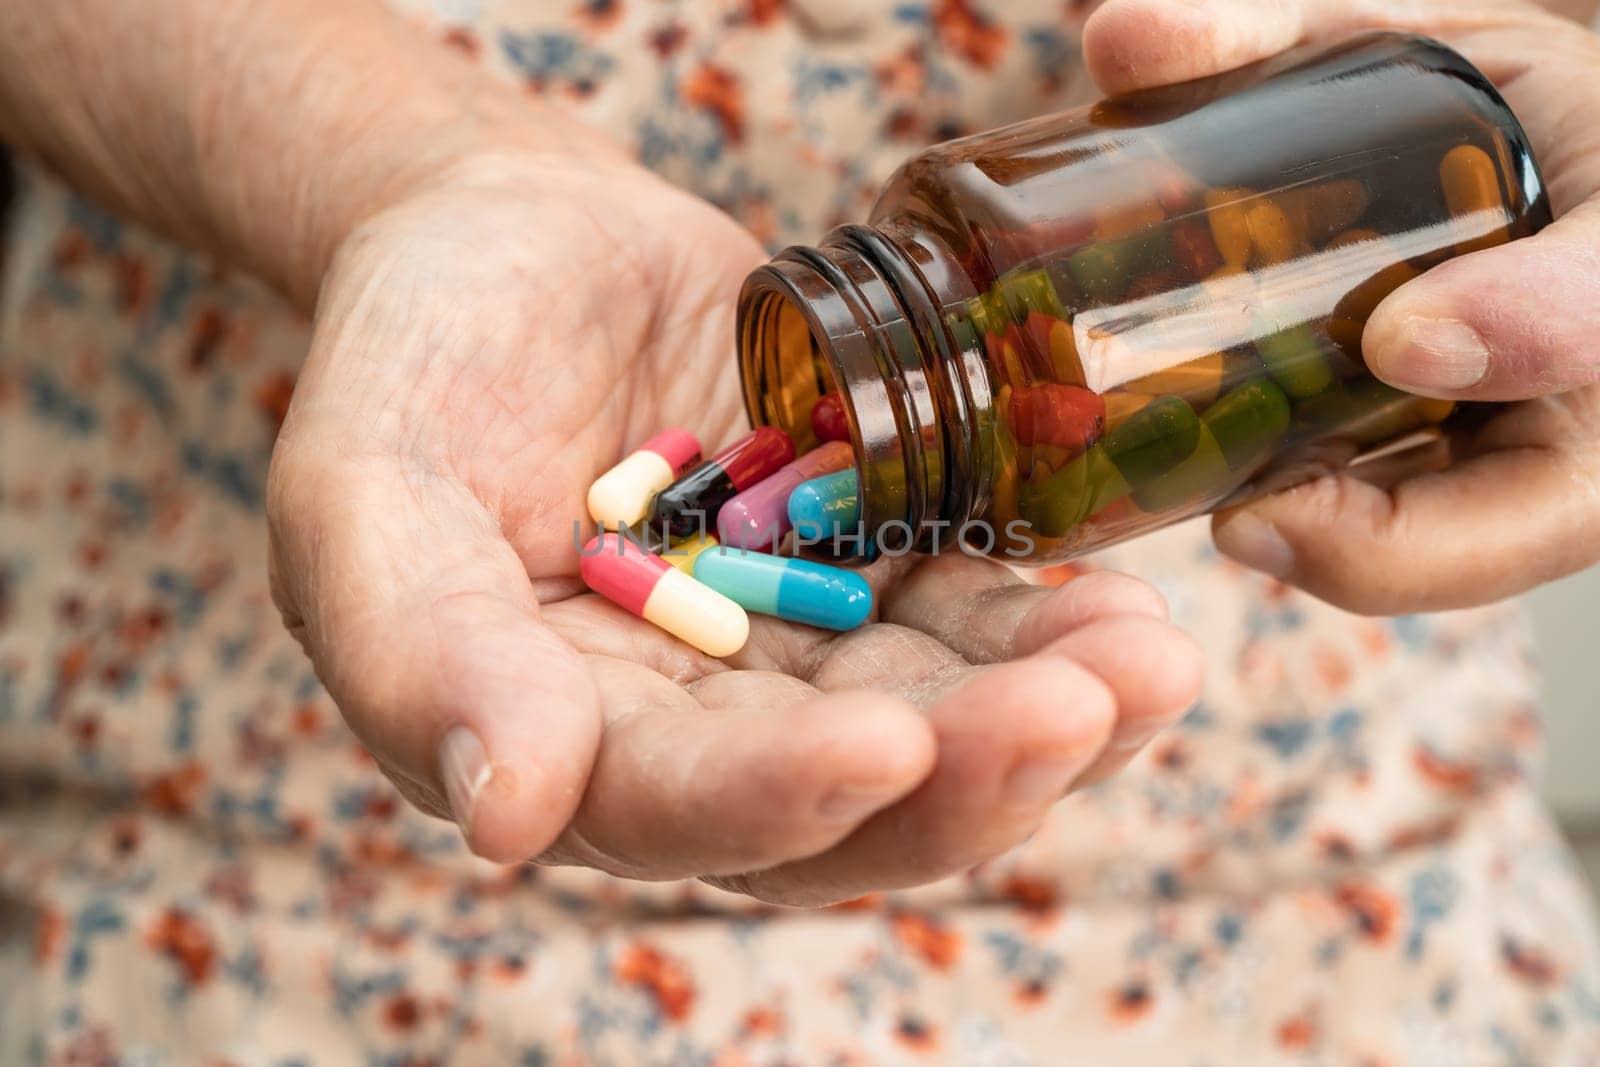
x,y
482,351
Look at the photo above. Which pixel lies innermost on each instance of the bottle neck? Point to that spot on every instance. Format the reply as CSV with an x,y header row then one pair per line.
x,y
855,315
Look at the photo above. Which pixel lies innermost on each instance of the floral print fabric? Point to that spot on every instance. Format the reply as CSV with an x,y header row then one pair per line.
x,y
1338,857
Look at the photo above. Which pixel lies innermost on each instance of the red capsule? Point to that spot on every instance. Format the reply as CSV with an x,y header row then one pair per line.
x,y
690,504
1064,415
1194,250
828,421
750,459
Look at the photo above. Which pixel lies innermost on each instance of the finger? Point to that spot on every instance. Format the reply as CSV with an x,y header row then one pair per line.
x,y
987,614
1011,741
420,621
1525,511
755,779
1134,44
1153,670
1507,323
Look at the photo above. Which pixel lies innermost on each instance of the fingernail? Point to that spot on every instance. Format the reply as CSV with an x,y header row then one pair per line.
x,y
852,802
1255,543
465,767
1429,354
1040,781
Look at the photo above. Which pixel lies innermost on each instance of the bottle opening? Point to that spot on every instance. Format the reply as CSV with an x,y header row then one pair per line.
x,y
845,317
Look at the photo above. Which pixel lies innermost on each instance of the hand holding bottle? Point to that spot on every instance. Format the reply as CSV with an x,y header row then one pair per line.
x,y
1517,322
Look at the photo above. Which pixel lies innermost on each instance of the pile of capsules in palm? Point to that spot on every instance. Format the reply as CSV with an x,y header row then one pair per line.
x,y
692,544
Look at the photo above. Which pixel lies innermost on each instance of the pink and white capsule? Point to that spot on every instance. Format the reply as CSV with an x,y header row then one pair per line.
x,y
621,496
759,517
648,586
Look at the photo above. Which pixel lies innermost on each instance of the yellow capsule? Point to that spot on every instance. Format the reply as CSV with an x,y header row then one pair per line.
x,y
1469,179
1350,314
1472,186
1064,355
697,614
1354,237
1225,211
1435,409
1120,406
1272,236
1198,381
1016,371
682,556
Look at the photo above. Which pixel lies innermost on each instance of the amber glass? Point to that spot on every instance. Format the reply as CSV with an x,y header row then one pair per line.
x,y
1076,329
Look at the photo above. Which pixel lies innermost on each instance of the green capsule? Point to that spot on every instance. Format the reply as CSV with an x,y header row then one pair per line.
x,y
978,314
1246,422
1100,271
1204,474
966,334
1296,361
1364,411
1103,270
1153,440
1002,450
1080,489
1029,290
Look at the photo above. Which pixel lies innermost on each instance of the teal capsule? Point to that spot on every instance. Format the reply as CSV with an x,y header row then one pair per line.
x,y
824,507
794,589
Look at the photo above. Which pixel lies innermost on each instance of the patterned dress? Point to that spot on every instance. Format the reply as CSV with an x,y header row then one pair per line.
x,y
1337,858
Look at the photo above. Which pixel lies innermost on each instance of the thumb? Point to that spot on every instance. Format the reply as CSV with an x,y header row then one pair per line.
x,y
1508,323
1135,44
1505,323
421,622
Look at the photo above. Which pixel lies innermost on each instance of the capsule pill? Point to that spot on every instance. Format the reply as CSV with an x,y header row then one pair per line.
x,y
690,504
621,496
648,586
759,517
825,507
796,590
683,554
828,420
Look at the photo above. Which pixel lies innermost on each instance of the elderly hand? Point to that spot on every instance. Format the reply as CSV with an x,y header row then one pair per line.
x,y
1520,322
483,350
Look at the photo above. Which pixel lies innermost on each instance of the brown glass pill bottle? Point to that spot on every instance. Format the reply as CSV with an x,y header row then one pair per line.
x,y
1100,322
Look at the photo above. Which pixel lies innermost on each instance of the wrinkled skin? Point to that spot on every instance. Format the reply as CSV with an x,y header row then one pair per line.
x,y
486,347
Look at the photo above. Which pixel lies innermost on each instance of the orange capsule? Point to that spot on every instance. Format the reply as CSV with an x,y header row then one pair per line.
x,y
1197,380
1225,211
1472,188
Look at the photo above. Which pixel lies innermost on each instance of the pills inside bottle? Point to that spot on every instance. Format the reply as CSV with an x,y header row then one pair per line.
x,y
1070,331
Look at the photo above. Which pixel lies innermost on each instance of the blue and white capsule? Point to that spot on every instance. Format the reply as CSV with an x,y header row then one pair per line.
x,y
797,590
